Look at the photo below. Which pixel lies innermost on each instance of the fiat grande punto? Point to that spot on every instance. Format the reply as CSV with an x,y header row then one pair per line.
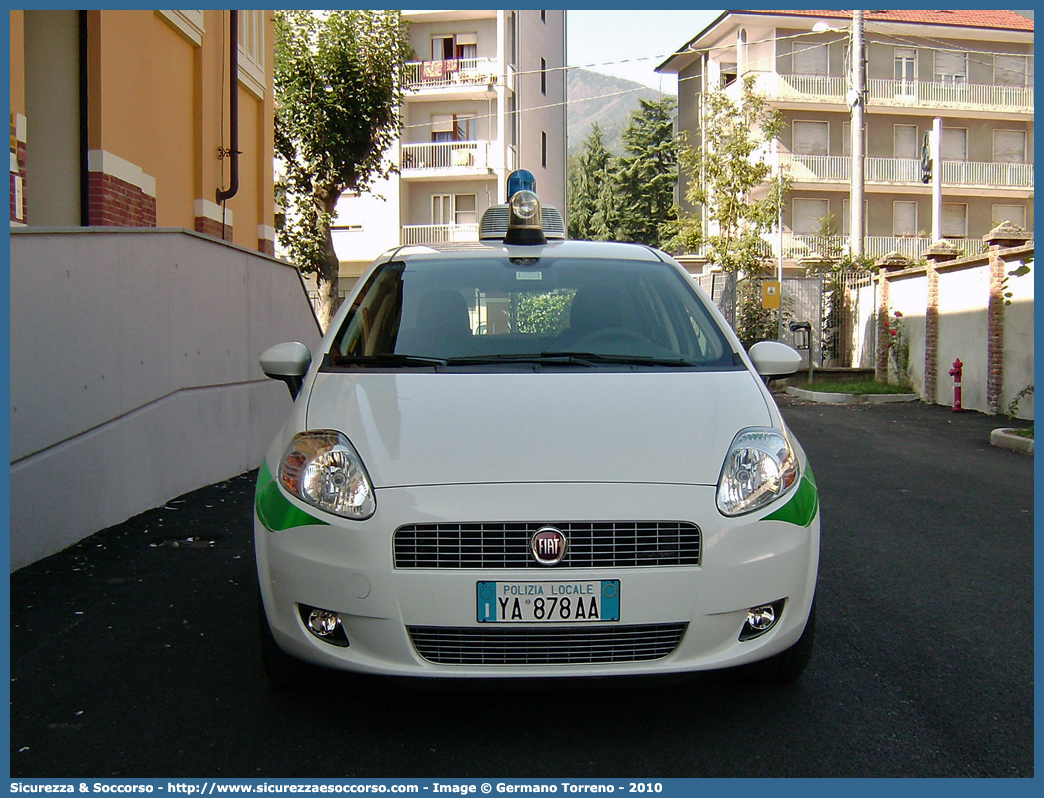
x,y
534,457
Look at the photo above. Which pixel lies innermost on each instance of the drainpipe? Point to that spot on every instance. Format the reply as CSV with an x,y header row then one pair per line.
x,y
233,109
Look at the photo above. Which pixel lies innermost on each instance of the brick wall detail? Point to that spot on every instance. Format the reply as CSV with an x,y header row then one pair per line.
x,y
19,204
117,203
212,227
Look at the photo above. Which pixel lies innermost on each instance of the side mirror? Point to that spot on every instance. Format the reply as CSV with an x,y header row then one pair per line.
x,y
288,362
774,359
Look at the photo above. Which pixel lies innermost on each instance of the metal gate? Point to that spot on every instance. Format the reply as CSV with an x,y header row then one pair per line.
x,y
721,288
849,321
838,308
802,300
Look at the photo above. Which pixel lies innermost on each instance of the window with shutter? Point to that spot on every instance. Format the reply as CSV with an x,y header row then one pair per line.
x,y
904,218
951,66
954,145
1016,214
905,142
811,59
954,220
812,138
1009,146
465,209
809,215
1009,70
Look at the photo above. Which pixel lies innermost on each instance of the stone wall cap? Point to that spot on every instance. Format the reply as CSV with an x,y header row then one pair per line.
x,y
1007,231
894,261
942,248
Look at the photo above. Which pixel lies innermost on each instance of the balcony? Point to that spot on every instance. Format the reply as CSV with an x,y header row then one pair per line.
x,y
437,233
797,245
444,159
979,175
916,96
907,94
464,77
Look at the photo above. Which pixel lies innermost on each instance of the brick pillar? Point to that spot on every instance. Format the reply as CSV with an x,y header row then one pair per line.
x,y
213,220
266,239
891,262
940,252
120,194
19,199
1001,238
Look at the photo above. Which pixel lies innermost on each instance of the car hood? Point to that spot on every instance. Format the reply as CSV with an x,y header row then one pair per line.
x,y
429,428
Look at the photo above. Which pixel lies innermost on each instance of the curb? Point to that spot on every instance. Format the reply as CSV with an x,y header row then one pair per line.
x,y
1007,439
850,398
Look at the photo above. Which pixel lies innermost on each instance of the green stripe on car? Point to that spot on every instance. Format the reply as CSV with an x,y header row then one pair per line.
x,y
802,507
274,509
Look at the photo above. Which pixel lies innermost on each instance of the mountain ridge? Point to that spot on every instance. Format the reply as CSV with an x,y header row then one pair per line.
x,y
594,97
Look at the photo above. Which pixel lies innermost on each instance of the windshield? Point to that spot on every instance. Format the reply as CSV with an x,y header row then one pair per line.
x,y
570,311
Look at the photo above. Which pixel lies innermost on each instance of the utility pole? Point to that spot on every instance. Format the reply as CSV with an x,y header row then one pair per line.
x,y
936,180
856,98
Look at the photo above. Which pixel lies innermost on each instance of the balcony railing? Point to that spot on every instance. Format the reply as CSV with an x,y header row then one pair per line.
x,y
444,155
437,233
968,174
797,245
898,93
421,75
937,94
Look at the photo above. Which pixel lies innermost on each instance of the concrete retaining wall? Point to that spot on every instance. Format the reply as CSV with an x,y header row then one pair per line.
x,y
134,373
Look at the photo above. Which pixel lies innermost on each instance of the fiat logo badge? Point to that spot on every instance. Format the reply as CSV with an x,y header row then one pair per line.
x,y
548,546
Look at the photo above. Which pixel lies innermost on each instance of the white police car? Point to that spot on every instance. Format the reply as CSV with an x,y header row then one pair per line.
x,y
534,457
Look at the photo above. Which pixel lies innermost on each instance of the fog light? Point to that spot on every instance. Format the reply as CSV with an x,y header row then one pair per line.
x,y
324,624
760,619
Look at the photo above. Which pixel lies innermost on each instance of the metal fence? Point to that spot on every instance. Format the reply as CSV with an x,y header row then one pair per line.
x,y
836,307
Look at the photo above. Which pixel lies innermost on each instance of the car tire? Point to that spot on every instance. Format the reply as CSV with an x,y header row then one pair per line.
x,y
786,666
283,671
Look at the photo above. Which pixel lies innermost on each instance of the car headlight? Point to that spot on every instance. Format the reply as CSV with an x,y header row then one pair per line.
x,y
759,468
322,468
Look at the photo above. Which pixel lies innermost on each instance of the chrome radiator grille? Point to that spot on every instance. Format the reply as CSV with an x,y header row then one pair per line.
x,y
598,544
585,645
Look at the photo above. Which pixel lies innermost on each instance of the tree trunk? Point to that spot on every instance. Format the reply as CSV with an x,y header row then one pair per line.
x,y
327,278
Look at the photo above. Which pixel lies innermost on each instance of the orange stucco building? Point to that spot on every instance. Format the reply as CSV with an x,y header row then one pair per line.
x,y
123,118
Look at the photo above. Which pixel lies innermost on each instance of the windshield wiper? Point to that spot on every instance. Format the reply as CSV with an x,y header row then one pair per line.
x,y
387,360
537,358
589,359
636,360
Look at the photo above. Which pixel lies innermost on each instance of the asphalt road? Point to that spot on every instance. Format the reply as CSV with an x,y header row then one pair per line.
x,y
133,654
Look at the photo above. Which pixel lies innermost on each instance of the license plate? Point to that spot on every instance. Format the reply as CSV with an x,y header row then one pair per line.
x,y
548,602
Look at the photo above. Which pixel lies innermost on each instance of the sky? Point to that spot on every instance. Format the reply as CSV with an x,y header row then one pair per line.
x,y
631,44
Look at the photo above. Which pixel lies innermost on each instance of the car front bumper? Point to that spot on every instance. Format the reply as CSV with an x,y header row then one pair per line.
x,y
348,567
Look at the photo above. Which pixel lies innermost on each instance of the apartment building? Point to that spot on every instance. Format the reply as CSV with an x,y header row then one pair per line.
x,y
124,119
486,95
972,69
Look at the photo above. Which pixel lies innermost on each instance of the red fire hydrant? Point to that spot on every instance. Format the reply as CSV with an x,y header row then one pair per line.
x,y
955,372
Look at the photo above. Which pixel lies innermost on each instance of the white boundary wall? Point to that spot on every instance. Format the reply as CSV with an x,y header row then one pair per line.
x,y
134,373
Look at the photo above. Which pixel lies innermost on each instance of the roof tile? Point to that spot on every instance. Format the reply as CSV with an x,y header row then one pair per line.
x,y
1002,20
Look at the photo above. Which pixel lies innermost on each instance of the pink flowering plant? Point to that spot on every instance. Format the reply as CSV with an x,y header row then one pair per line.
x,y
898,346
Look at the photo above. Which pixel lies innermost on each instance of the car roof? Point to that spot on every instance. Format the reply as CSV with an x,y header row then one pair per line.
x,y
604,250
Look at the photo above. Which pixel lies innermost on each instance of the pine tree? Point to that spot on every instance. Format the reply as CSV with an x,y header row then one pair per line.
x,y
590,171
647,174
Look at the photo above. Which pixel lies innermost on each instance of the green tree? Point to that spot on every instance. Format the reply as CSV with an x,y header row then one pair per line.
x,y
722,175
590,171
647,174
337,92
